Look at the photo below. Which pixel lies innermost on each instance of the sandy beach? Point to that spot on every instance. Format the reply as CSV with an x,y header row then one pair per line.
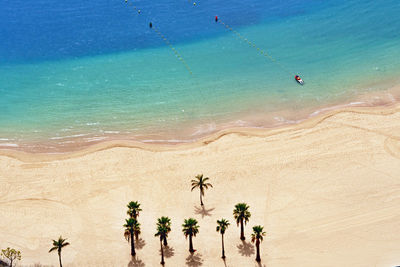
x,y
326,191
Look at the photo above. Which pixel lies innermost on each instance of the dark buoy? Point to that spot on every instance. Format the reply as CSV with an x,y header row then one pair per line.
x,y
151,25
216,18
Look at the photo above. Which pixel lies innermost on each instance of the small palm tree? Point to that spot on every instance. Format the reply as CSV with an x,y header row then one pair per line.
x,y
133,209
242,215
222,226
58,245
258,236
202,184
190,229
162,232
129,232
166,222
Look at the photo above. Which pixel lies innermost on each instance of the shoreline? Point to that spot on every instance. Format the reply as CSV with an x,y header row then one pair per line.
x,y
160,147
196,131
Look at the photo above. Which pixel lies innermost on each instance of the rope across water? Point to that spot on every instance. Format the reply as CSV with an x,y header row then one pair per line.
x,y
253,45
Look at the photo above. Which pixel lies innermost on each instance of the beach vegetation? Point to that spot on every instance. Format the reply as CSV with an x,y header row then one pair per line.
x,y
257,236
130,225
165,222
242,215
133,209
59,245
190,229
201,183
12,255
222,225
162,232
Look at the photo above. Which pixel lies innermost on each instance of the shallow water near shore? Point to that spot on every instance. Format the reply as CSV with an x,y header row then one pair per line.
x,y
114,78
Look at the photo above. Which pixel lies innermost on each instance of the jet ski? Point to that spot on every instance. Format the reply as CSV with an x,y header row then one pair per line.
x,y
298,79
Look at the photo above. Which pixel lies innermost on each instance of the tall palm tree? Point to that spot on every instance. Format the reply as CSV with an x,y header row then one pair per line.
x,y
166,222
242,215
202,184
129,231
162,232
222,226
257,236
133,209
190,229
58,245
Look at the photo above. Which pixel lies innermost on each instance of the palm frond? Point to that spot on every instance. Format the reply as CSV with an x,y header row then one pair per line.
x,y
52,249
127,235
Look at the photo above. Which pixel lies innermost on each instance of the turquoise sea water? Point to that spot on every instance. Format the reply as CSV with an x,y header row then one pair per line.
x,y
77,73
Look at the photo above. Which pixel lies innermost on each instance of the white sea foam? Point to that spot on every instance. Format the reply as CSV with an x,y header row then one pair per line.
x,y
9,145
241,123
356,103
204,129
92,139
283,120
68,136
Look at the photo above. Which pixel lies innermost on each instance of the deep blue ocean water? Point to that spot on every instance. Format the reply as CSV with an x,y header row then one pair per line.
x,y
94,69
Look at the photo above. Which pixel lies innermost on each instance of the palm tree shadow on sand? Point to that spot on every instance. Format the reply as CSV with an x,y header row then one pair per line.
x,y
203,211
194,260
140,243
168,251
136,262
246,249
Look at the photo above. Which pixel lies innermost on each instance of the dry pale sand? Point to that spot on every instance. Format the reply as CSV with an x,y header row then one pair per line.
x,y
327,192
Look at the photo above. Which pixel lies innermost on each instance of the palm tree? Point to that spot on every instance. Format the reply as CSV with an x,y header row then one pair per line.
x,y
165,221
257,236
133,209
162,232
58,245
190,228
241,214
202,184
129,231
222,226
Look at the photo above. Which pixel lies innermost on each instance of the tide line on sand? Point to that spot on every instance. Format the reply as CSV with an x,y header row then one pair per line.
x,y
157,147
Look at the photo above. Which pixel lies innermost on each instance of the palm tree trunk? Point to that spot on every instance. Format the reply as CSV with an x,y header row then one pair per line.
x,y
191,250
223,249
162,254
242,237
133,253
165,241
11,260
137,236
59,258
201,200
258,250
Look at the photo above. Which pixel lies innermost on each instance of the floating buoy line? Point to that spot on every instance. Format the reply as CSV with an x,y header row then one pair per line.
x,y
253,45
164,38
